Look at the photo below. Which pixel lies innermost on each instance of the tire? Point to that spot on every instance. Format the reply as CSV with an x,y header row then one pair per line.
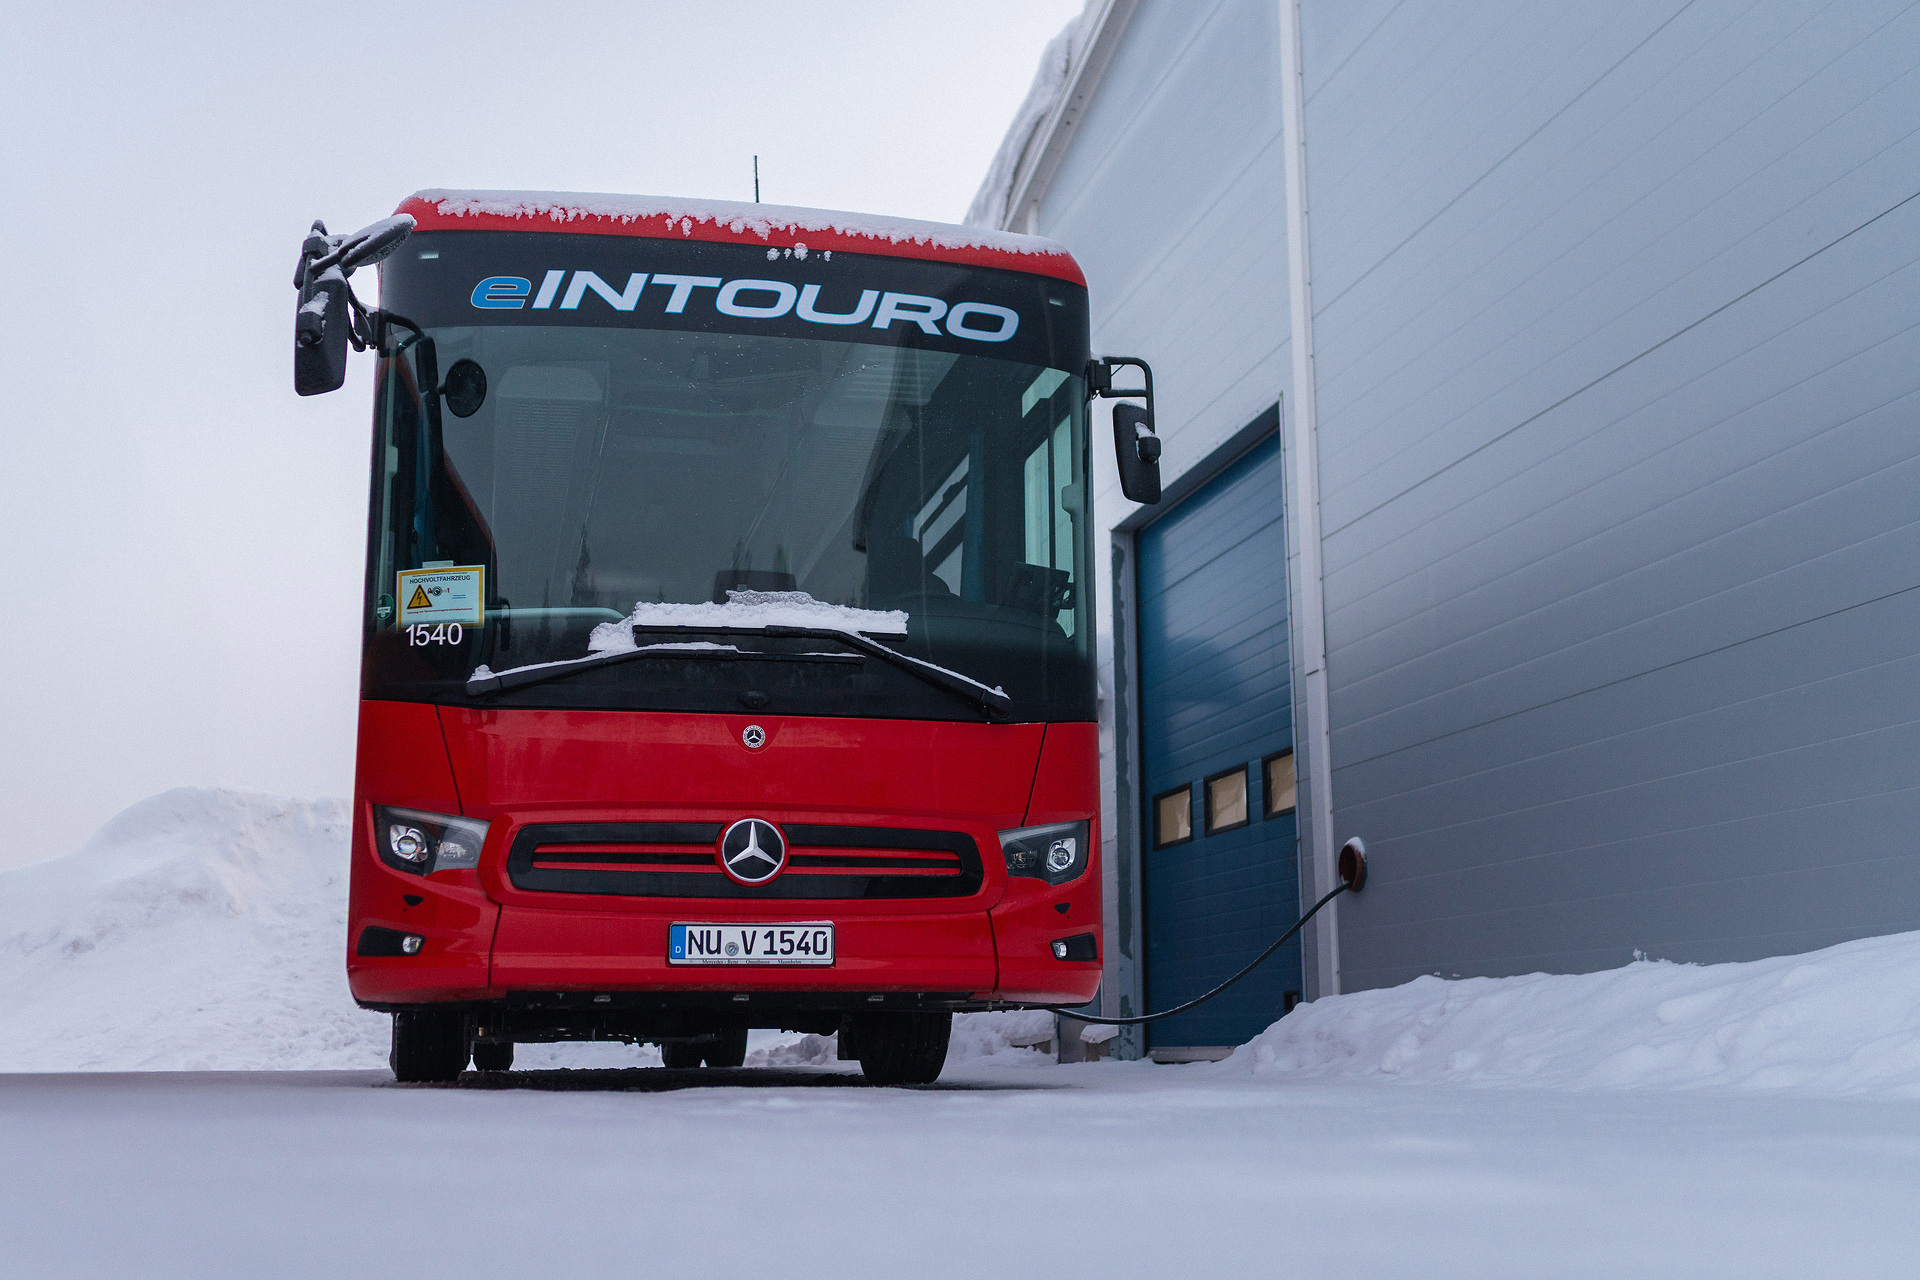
x,y
428,1048
902,1048
493,1056
727,1049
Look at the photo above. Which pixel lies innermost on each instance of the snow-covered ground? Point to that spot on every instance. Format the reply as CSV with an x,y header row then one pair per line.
x,y
1656,1120
1004,1170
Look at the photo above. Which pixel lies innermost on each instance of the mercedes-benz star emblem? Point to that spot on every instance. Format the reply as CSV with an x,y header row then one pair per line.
x,y
754,736
753,851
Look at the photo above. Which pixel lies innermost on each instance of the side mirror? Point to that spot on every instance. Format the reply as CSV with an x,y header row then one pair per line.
x,y
1138,450
320,331
1135,445
327,318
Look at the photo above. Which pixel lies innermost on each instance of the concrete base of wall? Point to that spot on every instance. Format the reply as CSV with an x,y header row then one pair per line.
x,y
1193,1053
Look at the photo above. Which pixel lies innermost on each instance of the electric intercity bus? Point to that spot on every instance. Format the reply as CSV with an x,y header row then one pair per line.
x,y
728,641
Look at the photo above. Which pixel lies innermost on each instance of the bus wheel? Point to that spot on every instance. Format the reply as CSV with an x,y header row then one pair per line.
x,y
902,1048
680,1055
428,1047
493,1056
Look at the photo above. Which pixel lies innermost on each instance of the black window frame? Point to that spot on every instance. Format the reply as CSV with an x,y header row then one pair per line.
x,y
1154,816
1206,800
1266,788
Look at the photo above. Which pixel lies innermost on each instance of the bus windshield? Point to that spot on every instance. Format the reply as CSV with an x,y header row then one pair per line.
x,y
614,464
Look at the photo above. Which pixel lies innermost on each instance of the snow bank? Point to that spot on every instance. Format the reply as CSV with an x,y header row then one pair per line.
x,y
977,1038
1843,1021
989,207
983,1037
198,930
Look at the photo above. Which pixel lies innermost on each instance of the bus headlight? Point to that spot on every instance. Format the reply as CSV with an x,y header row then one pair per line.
x,y
1055,853
417,842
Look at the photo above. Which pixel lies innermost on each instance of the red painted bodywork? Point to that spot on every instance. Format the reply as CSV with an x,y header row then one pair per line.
x,y
403,761
484,937
726,222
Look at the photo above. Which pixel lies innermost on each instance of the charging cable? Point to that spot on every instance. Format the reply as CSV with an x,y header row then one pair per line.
x,y
1353,875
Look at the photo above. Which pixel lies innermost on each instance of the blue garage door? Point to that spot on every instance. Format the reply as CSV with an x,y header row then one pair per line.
x,y
1221,866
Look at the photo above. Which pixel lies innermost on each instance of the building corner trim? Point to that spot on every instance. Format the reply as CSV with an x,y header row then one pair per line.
x,y
1049,146
1300,432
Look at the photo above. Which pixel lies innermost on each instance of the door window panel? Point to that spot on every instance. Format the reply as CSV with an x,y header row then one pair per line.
x,y
1227,800
1278,768
1173,818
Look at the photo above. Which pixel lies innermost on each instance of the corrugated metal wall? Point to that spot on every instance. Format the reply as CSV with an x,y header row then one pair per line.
x,y
1619,428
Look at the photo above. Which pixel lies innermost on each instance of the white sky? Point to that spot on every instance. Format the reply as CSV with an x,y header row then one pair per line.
x,y
182,535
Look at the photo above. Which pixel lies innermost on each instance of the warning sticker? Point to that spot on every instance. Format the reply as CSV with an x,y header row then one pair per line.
x,y
434,596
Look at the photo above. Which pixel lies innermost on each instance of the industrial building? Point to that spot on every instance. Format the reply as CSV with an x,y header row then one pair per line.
x,y
1538,384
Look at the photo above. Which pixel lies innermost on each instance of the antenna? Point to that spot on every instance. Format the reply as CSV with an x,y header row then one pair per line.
x,y
756,179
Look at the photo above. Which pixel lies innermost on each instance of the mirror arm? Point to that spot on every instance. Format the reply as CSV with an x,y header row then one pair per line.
x,y
1100,371
365,327
363,248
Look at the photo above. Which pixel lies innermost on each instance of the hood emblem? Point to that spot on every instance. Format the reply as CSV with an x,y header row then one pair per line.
x,y
753,851
754,736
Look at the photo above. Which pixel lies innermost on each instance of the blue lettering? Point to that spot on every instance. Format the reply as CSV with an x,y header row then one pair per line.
x,y
502,292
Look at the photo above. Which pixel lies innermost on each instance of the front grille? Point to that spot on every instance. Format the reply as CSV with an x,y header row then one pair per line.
x,y
676,860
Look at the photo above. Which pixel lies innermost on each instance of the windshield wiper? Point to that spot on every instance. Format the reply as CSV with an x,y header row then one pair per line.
x,y
545,672
994,702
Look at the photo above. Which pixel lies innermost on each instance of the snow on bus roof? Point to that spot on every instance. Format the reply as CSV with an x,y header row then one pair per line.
x,y
780,227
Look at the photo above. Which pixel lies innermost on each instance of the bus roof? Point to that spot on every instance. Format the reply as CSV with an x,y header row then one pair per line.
x,y
778,227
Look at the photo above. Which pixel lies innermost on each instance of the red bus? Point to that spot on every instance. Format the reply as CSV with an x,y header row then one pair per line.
x,y
728,655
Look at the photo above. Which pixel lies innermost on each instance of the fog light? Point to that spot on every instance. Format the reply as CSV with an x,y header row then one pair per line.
x,y
1081,946
1061,854
410,945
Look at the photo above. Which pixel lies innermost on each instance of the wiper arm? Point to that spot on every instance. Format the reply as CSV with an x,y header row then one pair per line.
x,y
550,671
994,702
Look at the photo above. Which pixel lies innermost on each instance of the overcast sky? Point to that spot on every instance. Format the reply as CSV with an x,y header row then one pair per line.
x,y
182,535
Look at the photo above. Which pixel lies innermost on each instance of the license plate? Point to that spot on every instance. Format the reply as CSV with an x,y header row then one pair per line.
x,y
807,943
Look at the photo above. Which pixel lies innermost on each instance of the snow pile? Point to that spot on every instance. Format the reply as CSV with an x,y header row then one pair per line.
x,y
977,1037
1842,1021
767,221
198,930
980,1037
1062,54
802,1051
748,611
